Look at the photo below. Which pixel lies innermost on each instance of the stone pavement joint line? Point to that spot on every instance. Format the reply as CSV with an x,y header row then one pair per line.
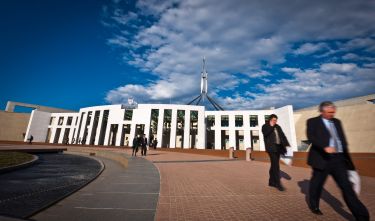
x,y
238,190
117,194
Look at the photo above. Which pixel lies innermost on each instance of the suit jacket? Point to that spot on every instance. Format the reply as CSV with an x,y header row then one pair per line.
x,y
319,136
270,138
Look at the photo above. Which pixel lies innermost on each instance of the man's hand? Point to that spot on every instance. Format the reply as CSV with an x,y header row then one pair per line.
x,y
330,149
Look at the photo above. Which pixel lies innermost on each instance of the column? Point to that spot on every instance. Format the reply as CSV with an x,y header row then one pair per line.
x,y
173,129
187,130
201,143
160,127
217,132
232,131
261,121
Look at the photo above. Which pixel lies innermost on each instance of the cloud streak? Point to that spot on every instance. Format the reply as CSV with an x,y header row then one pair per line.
x,y
247,44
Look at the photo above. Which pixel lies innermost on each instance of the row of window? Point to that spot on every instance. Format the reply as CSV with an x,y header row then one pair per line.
x,y
210,119
61,121
238,120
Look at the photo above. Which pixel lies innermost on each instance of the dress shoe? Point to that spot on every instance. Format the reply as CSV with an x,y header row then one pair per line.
x,y
316,211
280,188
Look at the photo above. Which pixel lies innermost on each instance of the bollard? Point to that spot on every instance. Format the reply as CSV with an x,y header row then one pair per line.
x,y
231,152
248,154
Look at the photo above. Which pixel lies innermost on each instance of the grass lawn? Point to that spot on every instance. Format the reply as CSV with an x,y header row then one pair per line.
x,y
13,158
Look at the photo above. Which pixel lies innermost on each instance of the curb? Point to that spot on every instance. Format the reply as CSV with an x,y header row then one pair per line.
x,y
118,157
20,166
70,193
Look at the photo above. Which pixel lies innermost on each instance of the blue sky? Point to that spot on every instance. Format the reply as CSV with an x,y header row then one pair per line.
x,y
73,54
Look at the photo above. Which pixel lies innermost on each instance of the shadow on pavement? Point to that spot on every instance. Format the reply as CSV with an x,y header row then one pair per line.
x,y
327,197
285,175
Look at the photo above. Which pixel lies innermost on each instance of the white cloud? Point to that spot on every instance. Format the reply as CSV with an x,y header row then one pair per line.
x,y
290,70
338,68
238,37
309,48
310,86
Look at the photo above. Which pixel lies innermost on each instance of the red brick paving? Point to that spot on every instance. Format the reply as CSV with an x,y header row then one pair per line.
x,y
237,190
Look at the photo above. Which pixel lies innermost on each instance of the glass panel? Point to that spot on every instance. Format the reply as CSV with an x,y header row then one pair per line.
x,y
254,135
57,135
239,140
66,136
210,121
180,128
48,137
61,120
266,117
78,139
125,135
225,139
193,128
69,121
238,121
86,130
94,127
253,120
154,127
112,134
224,120
52,120
103,128
167,128
128,115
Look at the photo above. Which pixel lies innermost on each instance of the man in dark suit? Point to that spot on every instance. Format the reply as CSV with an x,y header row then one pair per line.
x,y
135,145
276,143
144,145
329,155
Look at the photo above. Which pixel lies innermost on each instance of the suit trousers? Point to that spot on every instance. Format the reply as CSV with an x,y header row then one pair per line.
x,y
274,171
336,167
144,150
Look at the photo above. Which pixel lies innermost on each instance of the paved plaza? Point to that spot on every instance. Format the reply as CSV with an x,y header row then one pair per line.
x,y
198,187
238,190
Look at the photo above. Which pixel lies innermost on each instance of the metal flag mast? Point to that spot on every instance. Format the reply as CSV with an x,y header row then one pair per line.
x,y
204,88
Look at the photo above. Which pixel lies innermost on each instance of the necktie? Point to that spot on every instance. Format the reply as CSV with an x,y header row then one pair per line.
x,y
333,135
277,140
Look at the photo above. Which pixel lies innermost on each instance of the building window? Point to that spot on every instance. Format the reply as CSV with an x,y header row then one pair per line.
x,y
253,120
193,128
128,115
103,127
238,121
224,120
61,120
94,127
166,128
154,125
69,121
52,120
210,121
266,118
180,126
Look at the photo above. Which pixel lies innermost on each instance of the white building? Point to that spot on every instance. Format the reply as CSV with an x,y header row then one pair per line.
x,y
174,126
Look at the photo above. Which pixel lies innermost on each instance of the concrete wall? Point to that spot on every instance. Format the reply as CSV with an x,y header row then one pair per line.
x,y
357,119
37,126
13,125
